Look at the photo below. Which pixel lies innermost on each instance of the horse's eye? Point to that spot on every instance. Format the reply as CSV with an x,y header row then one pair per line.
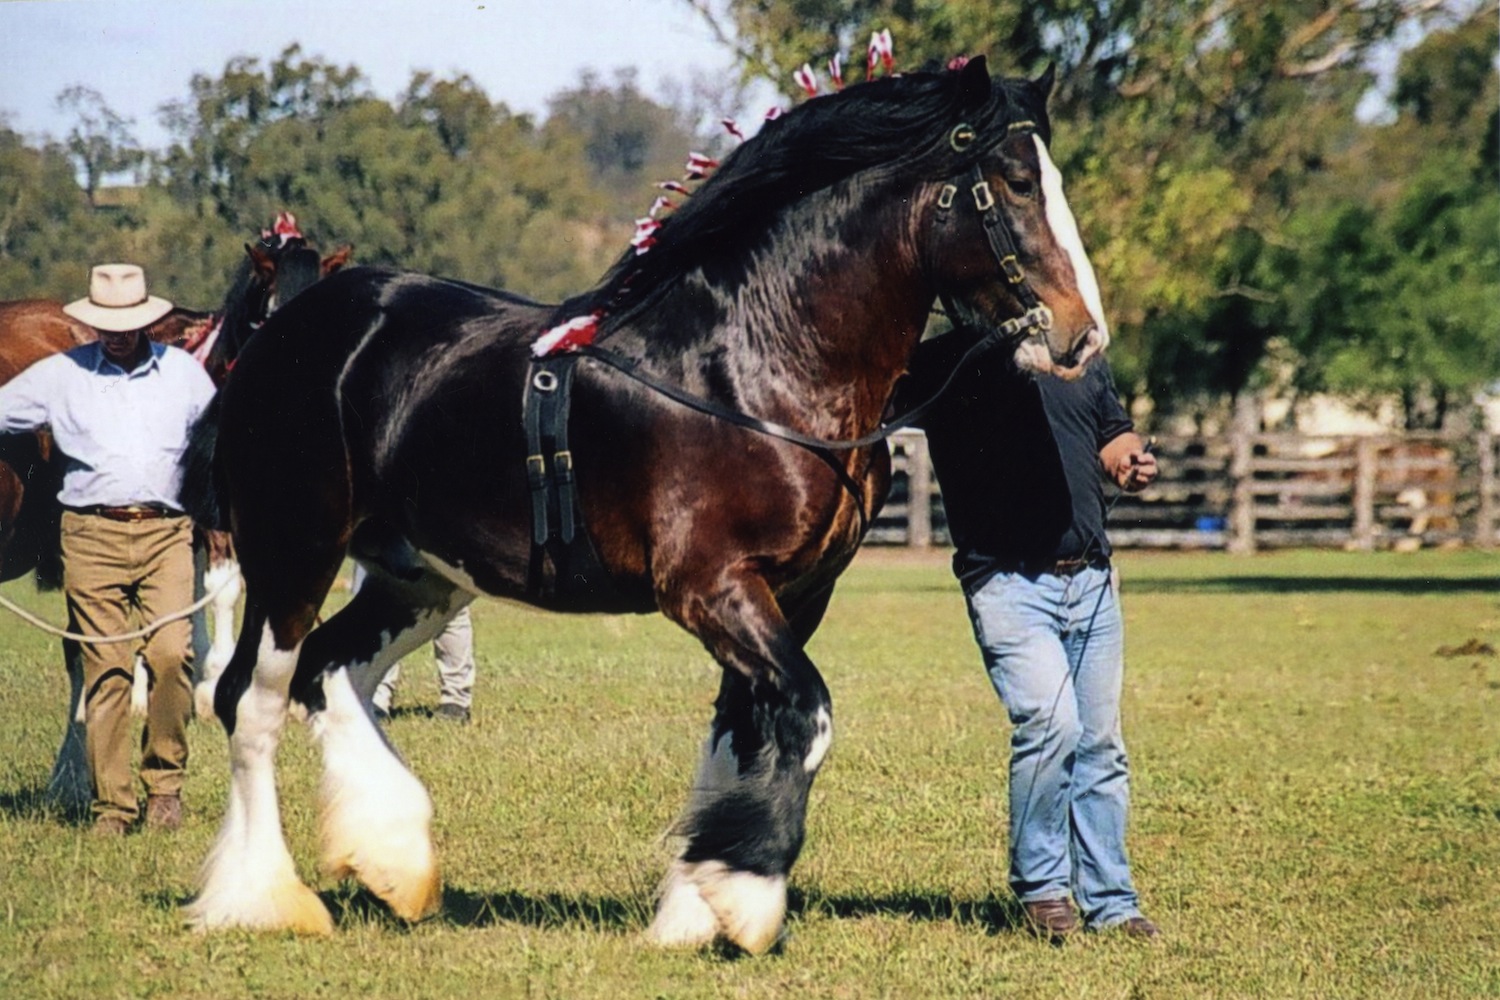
x,y
1023,188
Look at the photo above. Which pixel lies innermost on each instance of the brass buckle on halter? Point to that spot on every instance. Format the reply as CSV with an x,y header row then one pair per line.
x,y
1032,323
984,198
946,196
1012,268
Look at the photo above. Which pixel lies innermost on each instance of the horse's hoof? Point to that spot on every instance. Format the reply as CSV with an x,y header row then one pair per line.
x,y
750,908
389,852
288,905
683,919
413,892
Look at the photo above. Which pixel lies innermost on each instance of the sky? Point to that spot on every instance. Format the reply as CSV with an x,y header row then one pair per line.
x,y
140,54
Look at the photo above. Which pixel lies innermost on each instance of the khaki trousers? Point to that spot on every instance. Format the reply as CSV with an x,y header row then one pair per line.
x,y
119,576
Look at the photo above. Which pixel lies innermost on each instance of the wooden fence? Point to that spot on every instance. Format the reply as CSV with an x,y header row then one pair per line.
x,y
1249,491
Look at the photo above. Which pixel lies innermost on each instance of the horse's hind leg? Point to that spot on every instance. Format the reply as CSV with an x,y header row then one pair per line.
x,y
248,879
744,824
297,547
376,817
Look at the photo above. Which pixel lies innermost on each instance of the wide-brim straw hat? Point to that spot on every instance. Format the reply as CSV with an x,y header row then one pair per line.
x,y
117,300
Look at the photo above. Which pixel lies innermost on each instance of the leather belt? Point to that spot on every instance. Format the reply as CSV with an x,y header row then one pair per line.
x,y
1053,567
135,512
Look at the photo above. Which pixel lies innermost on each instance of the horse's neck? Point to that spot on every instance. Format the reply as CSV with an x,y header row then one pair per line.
x,y
826,315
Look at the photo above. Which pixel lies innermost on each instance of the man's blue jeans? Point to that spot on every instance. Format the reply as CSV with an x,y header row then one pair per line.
x,y
1054,649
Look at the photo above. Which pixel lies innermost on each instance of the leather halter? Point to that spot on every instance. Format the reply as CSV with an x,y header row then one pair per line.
x,y
1036,318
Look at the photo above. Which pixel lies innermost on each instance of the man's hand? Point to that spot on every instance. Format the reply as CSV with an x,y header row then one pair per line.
x,y
1129,462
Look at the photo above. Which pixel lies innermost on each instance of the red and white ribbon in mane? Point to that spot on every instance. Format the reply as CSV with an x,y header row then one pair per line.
x,y
883,51
645,234
567,336
807,80
282,232
836,70
699,166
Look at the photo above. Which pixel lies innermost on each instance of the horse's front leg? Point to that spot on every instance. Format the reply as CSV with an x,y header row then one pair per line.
x,y
744,824
249,879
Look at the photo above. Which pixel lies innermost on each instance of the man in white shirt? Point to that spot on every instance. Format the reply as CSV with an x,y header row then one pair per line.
x,y
120,411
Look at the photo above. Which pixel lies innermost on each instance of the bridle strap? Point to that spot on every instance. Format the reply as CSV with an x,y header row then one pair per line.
x,y
1001,240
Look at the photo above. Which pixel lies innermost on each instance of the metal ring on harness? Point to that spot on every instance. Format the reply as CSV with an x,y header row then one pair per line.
x,y
544,381
962,137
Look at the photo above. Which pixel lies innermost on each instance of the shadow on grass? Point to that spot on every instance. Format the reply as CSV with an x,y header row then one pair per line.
x,y
1313,585
991,915
463,908
351,905
36,802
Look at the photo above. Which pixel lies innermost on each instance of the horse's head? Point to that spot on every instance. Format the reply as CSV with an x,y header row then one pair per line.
x,y
279,271
276,269
1006,252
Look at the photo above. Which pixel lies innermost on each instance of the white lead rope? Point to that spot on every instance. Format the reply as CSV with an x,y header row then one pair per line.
x,y
97,640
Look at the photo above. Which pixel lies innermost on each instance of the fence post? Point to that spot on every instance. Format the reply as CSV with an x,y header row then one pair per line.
x,y
918,493
1489,493
1365,454
1242,474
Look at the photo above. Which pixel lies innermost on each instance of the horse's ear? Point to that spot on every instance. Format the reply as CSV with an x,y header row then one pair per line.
x,y
1043,84
339,258
974,83
262,261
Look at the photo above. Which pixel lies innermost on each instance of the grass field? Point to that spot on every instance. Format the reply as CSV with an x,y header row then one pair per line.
x,y
1315,745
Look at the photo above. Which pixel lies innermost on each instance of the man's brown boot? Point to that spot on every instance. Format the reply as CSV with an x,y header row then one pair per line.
x,y
1051,919
164,812
110,826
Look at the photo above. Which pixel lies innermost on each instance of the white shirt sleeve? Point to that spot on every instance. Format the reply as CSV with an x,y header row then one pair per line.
x,y
23,400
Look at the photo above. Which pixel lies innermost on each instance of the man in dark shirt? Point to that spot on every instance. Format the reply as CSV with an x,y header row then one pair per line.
x,y
1019,458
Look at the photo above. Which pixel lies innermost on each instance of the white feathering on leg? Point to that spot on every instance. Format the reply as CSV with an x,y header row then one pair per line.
x,y
751,908
248,879
683,919
376,816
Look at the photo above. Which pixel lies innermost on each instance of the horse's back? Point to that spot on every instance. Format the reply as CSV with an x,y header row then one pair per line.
x,y
411,383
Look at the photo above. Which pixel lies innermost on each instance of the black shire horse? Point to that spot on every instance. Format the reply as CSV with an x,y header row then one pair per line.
x,y
380,414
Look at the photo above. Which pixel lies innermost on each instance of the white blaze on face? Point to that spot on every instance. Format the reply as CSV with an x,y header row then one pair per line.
x,y
1065,231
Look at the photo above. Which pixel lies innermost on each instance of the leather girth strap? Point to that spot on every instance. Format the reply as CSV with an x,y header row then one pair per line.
x,y
557,531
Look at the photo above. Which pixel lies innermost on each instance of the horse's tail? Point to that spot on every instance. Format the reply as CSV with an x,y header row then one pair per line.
x,y
200,481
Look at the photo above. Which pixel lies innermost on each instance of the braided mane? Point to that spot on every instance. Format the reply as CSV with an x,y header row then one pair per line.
x,y
897,127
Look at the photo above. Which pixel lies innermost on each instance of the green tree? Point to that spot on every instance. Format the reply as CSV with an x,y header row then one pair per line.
x,y
630,141
100,141
1193,134
48,235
